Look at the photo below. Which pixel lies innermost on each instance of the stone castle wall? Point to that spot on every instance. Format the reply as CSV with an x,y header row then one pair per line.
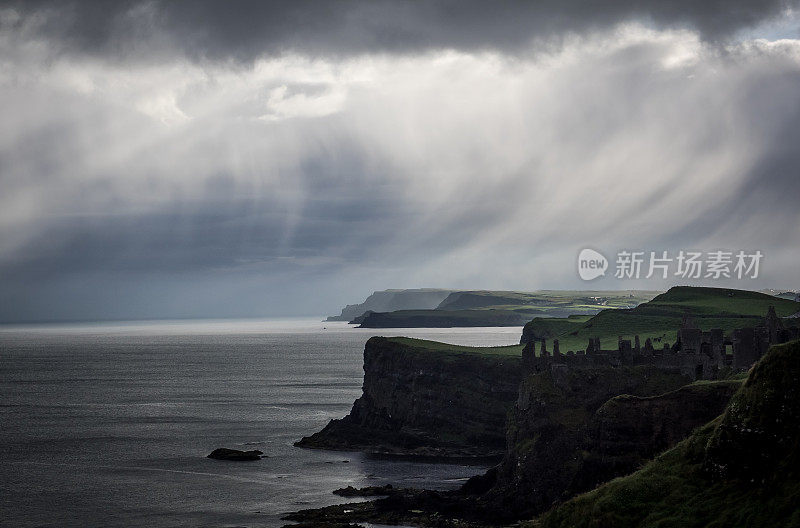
x,y
696,354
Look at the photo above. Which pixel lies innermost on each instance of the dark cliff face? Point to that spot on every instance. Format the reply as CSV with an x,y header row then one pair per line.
x,y
421,402
441,318
567,432
550,434
390,300
628,431
759,435
741,469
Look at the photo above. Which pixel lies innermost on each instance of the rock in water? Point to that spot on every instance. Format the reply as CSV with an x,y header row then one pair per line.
x,y
369,491
223,453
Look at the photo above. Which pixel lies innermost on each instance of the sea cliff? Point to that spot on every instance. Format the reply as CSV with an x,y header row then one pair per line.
x,y
565,435
563,432
740,469
428,399
445,318
549,430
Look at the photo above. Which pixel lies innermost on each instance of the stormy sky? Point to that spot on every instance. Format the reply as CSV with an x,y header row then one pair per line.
x,y
231,159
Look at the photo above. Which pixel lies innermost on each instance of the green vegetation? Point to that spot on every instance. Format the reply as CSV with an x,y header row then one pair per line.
x,y
717,302
665,493
700,387
552,327
445,348
660,318
504,308
562,303
738,470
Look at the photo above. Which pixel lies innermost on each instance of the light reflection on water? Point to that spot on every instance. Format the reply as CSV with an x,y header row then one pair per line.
x,y
109,424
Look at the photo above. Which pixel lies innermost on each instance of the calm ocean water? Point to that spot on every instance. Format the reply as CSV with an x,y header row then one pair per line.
x,y
109,424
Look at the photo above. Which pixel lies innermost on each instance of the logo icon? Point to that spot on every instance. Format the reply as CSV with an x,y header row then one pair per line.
x,y
591,264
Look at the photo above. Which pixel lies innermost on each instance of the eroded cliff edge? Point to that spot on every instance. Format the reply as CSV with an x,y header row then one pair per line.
x,y
551,454
424,399
566,434
741,469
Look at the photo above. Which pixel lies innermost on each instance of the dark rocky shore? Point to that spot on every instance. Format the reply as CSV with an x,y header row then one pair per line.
x,y
573,450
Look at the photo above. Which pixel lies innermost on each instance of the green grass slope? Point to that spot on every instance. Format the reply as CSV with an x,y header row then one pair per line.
x,y
552,327
660,318
504,308
741,470
716,302
446,348
467,300
575,301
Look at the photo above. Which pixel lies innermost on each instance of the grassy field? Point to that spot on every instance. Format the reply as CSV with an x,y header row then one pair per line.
x,y
435,346
660,318
506,308
563,302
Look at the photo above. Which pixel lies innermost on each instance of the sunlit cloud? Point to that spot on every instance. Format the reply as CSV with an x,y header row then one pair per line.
x,y
442,167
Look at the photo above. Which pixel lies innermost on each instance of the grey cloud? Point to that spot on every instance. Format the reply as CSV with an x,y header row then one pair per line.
x,y
246,29
466,172
229,258
220,235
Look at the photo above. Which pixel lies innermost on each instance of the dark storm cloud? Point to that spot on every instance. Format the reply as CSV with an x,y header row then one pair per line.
x,y
775,180
167,187
333,231
246,29
233,258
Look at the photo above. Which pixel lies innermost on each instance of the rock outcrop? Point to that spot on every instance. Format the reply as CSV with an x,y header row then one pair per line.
x,y
390,300
426,402
628,431
223,453
549,434
550,327
741,469
558,447
759,436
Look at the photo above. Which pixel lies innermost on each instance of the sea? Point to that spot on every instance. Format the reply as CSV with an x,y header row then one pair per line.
x,y
109,424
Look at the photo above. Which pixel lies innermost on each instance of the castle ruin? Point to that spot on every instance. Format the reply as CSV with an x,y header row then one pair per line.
x,y
696,353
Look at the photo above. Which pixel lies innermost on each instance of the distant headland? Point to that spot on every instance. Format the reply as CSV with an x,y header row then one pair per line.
x,y
442,308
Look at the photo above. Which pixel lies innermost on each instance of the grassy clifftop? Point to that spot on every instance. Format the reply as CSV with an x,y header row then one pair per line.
x,y
718,302
578,301
659,318
742,469
501,308
446,348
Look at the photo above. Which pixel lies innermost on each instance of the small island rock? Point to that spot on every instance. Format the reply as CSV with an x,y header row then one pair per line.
x,y
369,491
223,453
